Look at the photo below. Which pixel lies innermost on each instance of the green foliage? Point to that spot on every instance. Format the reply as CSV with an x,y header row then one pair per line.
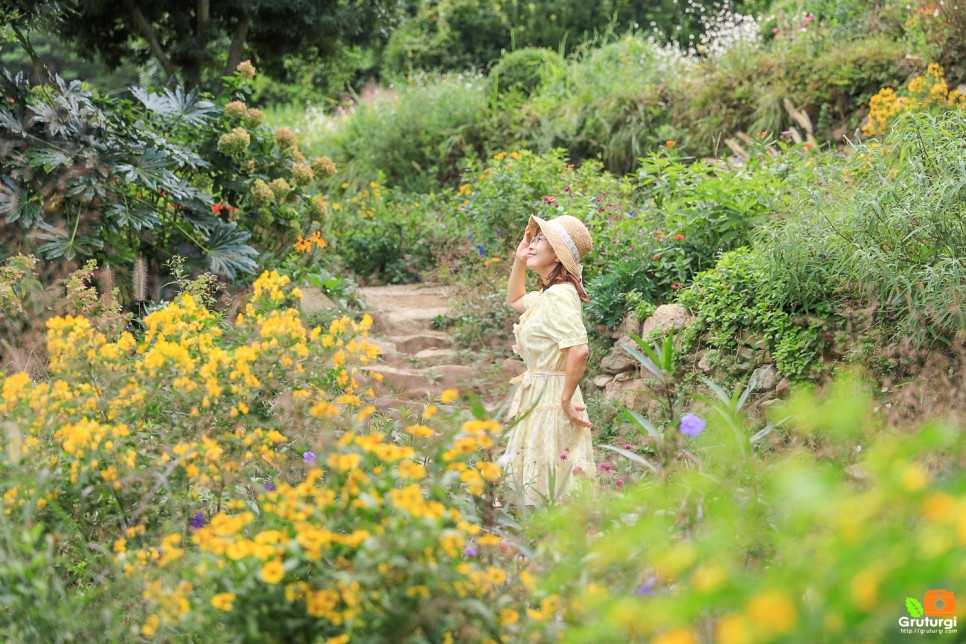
x,y
205,45
525,70
697,555
170,172
416,138
883,228
447,35
388,239
734,302
608,104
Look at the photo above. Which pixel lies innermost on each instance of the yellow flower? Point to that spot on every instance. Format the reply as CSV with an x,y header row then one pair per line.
x,y
865,588
914,478
509,616
150,627
449,395
273,571
676,636
420,431
223,601
733,629
773,611
430,411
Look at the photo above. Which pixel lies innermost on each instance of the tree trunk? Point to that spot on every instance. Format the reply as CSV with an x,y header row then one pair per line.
x,y
202,18
145,29
237,48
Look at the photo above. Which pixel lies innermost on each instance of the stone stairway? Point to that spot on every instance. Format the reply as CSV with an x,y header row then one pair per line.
x,y
418,362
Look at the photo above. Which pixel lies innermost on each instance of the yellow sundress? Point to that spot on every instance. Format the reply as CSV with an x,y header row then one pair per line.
x,y
545,444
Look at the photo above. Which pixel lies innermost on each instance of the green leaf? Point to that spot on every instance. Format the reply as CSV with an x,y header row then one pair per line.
x,y
644,426
914,607
648,364
226,250
632,456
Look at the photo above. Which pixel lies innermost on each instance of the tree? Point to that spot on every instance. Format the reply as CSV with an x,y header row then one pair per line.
x,y
198,40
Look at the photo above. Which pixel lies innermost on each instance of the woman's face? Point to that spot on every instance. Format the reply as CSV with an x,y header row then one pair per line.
x,y
541,257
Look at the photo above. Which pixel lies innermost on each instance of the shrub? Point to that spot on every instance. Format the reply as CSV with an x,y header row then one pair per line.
x,y
416,139
189,463
525,70
91,176
732,303
695,556
883,229
389,238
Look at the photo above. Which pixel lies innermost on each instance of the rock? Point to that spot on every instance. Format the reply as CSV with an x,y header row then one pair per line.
x,y
385,348
618,360
437,356
451,375
314,300
667,318
856,472
630,325
783,387
704,364
412,320
602,381
422,341
513,368
399,380
631,393
765,404
764,378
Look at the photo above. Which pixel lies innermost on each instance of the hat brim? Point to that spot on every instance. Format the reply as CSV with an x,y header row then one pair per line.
x,y
559,245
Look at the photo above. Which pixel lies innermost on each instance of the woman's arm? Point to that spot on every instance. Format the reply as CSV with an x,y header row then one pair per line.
x,y
577,356
516,286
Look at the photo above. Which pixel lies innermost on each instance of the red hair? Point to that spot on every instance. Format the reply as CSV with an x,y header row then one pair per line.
x,y
560,275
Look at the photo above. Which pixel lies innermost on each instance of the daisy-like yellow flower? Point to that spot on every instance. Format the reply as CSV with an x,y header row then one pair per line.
x,y
449,395
223,601
273,571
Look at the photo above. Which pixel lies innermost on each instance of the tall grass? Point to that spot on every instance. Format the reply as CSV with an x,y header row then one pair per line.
x,y
892,236
416,137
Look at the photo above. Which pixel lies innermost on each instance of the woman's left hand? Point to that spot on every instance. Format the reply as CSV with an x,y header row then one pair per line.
x,y
570,409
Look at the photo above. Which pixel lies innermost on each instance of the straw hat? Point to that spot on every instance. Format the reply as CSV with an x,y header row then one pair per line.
x,y
568,237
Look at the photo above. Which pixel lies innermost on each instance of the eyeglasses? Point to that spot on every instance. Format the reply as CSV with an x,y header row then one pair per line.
x,y
539,238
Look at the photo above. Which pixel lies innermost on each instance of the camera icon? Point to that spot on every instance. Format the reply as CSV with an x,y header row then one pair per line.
x,y
939,603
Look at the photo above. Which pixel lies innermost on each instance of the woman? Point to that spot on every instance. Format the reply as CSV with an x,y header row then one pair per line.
x,y
552,442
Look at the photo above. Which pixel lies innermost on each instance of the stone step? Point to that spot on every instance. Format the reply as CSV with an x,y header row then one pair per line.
x,y
410,321
414,343
399,296
433,357
417,383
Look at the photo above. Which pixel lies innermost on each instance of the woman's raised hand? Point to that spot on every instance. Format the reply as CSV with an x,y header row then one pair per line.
x,y
523,249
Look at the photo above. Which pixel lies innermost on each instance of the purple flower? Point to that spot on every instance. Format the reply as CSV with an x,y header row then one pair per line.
x,y
197,521
481,249
469,551
308,457
647,588
692,425
269,486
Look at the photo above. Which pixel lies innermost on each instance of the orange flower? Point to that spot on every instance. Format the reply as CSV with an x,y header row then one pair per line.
x,y
670,144
303,245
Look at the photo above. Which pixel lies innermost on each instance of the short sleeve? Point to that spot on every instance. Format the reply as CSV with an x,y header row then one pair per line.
x,y
529,299
564,321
